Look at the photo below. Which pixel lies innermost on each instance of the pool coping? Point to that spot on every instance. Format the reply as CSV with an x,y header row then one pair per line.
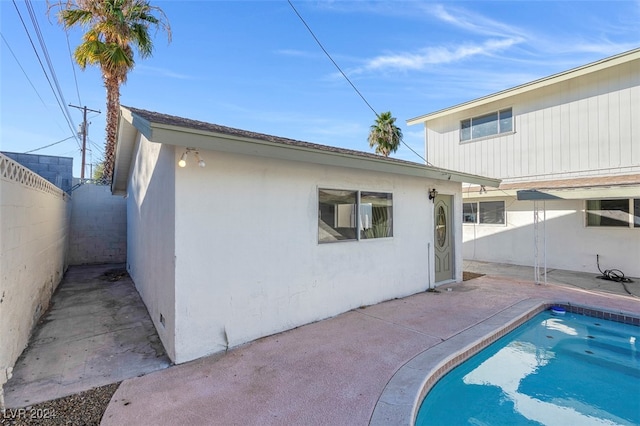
x,y
402,396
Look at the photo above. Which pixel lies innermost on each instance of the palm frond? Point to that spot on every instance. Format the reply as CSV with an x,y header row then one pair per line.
x,y
385,135
140,36
114,29
71,17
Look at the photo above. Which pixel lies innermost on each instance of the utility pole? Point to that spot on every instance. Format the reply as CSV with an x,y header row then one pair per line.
x,y
84,135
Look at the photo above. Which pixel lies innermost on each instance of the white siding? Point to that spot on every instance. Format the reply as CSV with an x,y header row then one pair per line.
x,y
584,126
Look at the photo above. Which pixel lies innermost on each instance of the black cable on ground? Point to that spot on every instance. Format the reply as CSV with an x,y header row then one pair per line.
x,y
613,275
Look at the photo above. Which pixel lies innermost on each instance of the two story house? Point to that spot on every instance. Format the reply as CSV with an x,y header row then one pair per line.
x,y
567,149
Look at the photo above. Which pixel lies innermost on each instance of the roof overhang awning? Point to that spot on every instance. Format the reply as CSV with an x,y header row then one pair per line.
x,y
629,191
535,195
581,188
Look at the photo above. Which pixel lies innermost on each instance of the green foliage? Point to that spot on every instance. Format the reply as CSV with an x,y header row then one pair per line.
x,y
98,172
113,29
385,135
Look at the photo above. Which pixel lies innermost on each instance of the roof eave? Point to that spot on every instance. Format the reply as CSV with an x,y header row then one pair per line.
x,y
206,140
570,193
131,125
127,135
536,84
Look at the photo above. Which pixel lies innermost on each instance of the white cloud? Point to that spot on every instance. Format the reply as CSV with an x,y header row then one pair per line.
x,y
473,22
501,37
437,55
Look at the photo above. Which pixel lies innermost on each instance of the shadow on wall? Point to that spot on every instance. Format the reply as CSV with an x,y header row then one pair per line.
x,y
569,244
151,214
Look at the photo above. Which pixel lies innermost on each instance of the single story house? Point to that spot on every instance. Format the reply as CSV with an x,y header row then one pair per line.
x,y
235,235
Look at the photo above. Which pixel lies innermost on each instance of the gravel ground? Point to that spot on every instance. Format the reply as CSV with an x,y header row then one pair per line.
x,y
82,409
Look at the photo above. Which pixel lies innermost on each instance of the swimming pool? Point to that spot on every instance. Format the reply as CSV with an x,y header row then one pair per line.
x,y
569,369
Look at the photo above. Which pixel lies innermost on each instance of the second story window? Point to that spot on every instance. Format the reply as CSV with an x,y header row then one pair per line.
x,y
486,125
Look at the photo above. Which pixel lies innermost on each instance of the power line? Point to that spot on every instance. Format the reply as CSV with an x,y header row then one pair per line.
x,y
330,58
51,144
23,71
43,46
97,147
73,68
84,135
347,78
57,94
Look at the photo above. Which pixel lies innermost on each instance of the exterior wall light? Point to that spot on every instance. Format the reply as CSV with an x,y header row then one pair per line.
x,y
183,158
432,194
201,162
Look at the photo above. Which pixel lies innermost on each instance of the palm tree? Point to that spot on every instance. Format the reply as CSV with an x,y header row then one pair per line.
x,y
113,28
385,135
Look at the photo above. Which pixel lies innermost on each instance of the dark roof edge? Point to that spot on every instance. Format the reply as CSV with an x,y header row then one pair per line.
x,y
170,120
147,122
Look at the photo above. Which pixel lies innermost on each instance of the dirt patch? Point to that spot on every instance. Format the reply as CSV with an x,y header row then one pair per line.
x,y
84,408
113,275
466,276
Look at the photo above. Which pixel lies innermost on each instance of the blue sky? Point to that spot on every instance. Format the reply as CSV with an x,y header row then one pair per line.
x,y
254,65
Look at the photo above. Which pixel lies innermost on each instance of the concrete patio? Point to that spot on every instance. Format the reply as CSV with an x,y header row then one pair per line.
x,y
333,371
330,372
582,280
97,331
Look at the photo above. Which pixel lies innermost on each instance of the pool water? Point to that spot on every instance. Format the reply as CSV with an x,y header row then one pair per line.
x,y
553,370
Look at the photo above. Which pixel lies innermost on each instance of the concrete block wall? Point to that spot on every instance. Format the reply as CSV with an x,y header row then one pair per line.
x,y
57,170
98,226
34,232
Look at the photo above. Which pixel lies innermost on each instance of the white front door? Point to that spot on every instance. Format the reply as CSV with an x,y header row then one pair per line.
x,y
442,238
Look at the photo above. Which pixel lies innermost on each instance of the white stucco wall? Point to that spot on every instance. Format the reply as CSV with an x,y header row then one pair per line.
x,y
248,262
34,232
150,234
570,244
98,226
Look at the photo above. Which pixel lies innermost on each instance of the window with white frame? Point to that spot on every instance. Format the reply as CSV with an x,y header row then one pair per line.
x,y
354,215
486,125
484,212
622,212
